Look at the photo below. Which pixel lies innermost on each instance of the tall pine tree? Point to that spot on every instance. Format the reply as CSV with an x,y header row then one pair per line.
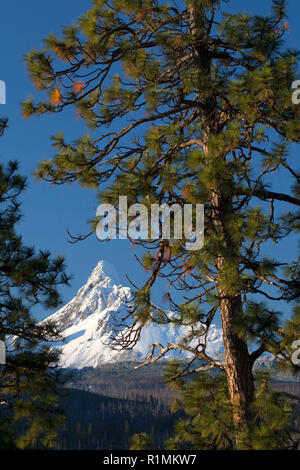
x,y
198,101
30,381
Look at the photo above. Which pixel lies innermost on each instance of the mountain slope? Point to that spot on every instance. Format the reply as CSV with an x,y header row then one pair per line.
x,y
87,323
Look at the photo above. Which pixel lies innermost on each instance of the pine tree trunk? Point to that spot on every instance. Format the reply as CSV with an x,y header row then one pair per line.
x,y
237,364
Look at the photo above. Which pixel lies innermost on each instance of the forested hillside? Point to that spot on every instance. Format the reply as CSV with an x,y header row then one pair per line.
x,y
99,422
114,403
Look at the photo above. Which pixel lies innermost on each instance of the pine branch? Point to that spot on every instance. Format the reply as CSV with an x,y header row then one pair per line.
x,y
265,195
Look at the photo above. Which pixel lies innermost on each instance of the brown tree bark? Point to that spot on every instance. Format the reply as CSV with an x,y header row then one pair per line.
x,y
238,363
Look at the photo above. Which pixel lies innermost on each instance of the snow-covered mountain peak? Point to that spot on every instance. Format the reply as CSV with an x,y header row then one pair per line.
x,y
104,273
87,323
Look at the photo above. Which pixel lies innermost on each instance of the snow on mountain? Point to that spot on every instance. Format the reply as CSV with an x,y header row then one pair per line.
x,y
87,323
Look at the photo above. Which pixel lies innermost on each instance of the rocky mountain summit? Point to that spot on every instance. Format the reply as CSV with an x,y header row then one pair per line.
x,y
87,324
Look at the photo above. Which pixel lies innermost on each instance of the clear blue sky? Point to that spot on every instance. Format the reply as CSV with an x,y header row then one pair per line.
x,y
50,211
